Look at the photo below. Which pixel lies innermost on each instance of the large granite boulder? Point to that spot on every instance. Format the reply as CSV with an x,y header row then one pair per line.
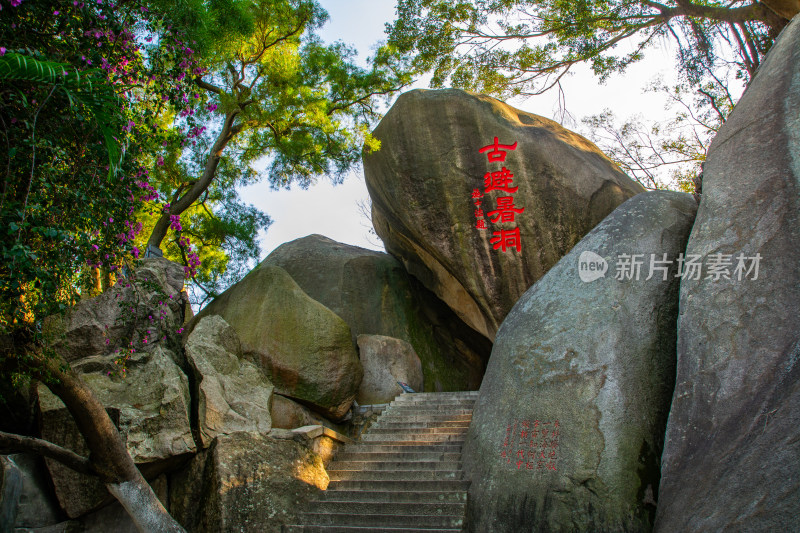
x,y
232,394
150,406
246,482
568,429
304,347
386,362
374,294
430,163
731,460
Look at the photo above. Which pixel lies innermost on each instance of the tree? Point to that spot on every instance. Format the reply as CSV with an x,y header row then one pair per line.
x,y
76,92
523,47
275,96
526,47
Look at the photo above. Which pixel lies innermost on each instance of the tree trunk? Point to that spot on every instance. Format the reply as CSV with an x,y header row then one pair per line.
x,y
229,131
108,454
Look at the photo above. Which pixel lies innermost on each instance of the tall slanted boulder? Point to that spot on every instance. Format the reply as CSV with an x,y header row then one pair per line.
x,y
304,347
568,429
374,294
430,163
732,455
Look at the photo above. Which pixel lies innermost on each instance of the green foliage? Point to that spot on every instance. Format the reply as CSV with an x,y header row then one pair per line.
x,y
78,117
523,47
279,107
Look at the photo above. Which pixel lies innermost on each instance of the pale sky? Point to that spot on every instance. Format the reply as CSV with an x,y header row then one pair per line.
x,y
334,211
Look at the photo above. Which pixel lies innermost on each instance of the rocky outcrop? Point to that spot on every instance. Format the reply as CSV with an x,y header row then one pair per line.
x,y
304,347
154,308
731,453
430,163
125,345
150,406
374,294
232,394
568,429
386,362
246,482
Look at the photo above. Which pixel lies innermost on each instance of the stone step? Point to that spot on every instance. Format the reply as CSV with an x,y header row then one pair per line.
x,y
449,394
393,475
400,423
404,447
399,485
417,440
398,456
449,406
370,466
374,430
396,496
381,520
411,410
413,417
329,506
366,529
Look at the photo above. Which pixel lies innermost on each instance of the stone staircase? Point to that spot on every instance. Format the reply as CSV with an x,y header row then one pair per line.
x,y
404,476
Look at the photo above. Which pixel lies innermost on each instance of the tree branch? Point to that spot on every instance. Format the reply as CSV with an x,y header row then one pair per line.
x,y
11,443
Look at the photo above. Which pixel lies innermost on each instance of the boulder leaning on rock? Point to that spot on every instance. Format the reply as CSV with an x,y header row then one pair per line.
x,y
374,294
732,458
567,432
422,180
304,347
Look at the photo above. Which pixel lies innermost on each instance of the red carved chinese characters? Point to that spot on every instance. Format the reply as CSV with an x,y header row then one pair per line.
x,y
505,212
499,181
497,151
505,239
531,445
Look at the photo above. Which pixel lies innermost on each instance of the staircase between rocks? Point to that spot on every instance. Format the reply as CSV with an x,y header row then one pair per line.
x,y
405,474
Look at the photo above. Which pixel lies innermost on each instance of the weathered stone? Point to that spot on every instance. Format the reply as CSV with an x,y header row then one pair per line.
x,y
150,406
246,482
421,183
303,346
594,360
287,414
36,505
232,394
154,309
386,361
374,294
731,460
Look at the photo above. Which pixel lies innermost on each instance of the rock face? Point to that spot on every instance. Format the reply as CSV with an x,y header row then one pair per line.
x,y
304,347
568,429
287,414
246,482
386,361
149,402
232,394
422,179
155,309
731,453
150,406
374,294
